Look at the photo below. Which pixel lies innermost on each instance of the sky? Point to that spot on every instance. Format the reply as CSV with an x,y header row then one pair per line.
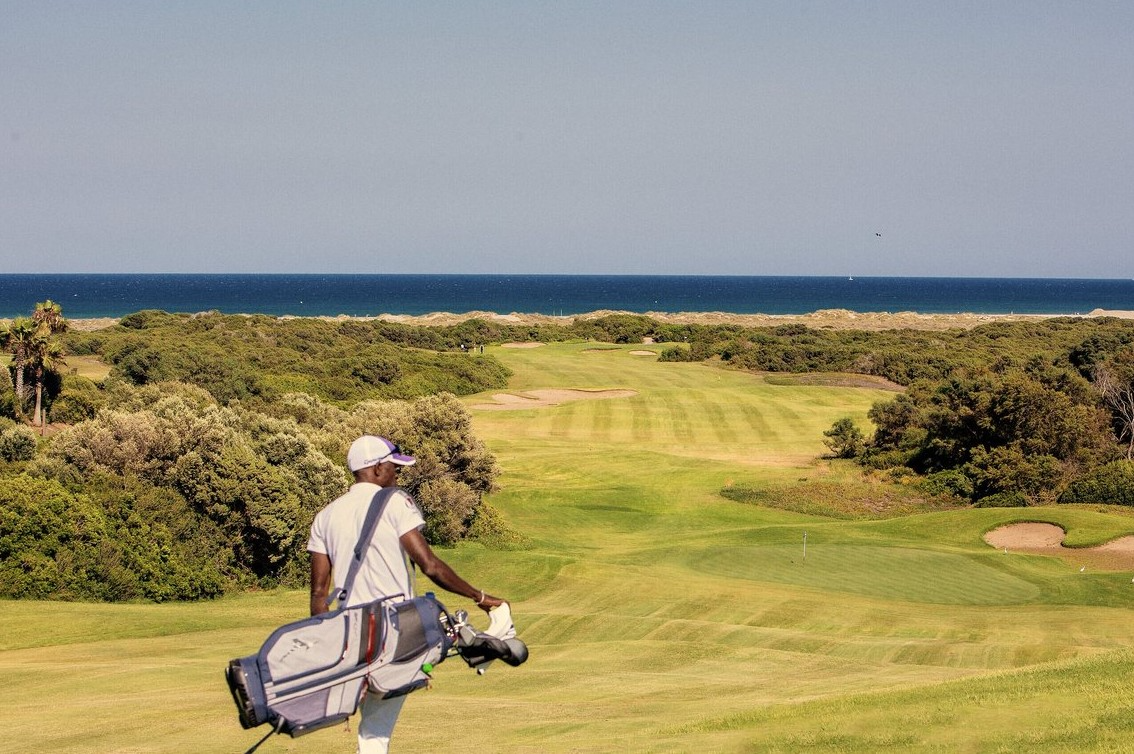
x,y
907,138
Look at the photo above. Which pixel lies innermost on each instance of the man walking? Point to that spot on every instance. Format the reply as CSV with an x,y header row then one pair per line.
x,y
385,572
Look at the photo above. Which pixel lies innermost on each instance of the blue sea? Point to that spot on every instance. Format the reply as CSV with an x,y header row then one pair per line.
x,y
85,296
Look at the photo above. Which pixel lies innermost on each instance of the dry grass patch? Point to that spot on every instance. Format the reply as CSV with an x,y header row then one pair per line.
x,y
840,496
91,367
831,379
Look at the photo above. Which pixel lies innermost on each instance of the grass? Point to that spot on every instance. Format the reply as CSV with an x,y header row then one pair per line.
x,y
662,616
91,367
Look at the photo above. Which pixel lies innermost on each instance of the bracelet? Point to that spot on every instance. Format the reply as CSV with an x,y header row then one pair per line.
x,y
481,600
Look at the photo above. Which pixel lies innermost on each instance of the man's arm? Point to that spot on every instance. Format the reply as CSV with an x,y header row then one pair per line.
x,y
440,573
320,582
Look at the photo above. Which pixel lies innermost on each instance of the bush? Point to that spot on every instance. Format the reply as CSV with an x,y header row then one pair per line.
x,y
952,482
79,400
56,544
258,358
1010,469
1111,483
447,507
844,439
489,528
1003,500
678,353
49,540
17,443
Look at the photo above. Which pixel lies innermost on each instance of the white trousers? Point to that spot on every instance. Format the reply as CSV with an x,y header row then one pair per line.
x,y
377,723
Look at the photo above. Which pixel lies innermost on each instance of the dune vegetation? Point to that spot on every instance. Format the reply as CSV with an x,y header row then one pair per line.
x,y
824,609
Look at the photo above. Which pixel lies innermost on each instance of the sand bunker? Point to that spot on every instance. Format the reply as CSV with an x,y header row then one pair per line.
x,y
1047,539
643,353
544,398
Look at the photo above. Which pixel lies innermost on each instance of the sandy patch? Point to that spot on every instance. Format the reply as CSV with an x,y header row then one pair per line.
x,y
831,319
643,353
545,398
1119,313
520,345
1047,539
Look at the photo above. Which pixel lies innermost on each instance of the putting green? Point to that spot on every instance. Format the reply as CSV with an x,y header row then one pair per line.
x,y
895,573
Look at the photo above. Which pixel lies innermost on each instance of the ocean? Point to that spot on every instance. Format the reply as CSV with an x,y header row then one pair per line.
x,y
85,296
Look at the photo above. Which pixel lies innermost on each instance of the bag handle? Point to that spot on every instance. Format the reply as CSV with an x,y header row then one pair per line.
x,y
369,525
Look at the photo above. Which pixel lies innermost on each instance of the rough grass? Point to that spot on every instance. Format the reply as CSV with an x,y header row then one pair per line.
x,y
839,489
661,616
91,367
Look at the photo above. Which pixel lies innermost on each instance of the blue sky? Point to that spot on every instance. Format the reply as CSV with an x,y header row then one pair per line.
x,y
763,138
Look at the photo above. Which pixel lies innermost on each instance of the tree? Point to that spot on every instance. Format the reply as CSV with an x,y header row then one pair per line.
x,y
33,346
1114,380
45,355
48,317
844,438
17,341
1028,431
46,352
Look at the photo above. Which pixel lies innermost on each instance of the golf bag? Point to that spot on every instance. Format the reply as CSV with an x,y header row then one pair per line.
x,y
312,673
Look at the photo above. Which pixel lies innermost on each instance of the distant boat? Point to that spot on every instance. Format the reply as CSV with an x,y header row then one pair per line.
x,y
850,278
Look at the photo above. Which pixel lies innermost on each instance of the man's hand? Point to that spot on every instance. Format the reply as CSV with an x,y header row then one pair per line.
x,y
488,602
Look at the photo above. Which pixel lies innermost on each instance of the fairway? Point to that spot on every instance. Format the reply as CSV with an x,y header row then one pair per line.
x,y
661,616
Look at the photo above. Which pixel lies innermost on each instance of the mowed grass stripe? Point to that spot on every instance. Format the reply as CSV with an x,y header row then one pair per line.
x,y
675,420
643,420
713,418
601,419
562,419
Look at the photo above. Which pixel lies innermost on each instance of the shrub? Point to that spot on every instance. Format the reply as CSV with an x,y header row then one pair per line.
x,y
489,528
17,443
49,540
447,507
1002,500
1111,483
952,482
257,357
678,353
79,400
57,544
1010,469
844,438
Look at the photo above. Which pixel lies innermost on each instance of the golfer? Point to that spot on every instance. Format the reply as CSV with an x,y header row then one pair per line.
x,y
385,570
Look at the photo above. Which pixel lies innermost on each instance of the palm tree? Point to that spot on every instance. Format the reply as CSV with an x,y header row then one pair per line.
x,y
48,316
45,355
32,345
17,341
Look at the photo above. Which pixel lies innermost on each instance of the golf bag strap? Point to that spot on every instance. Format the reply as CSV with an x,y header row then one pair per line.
x,y
369,524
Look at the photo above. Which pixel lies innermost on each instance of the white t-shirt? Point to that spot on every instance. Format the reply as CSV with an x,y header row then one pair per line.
x,y
335,531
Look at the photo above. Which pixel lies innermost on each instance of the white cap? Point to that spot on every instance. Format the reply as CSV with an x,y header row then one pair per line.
x,y
370,450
